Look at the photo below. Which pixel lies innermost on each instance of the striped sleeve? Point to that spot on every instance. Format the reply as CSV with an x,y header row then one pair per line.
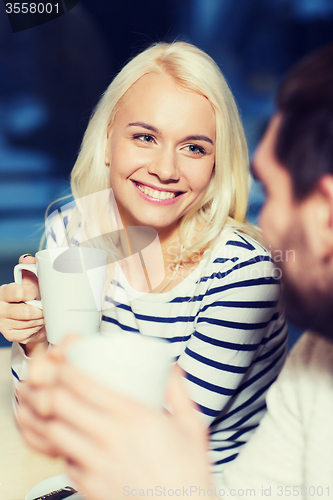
x,y
236,351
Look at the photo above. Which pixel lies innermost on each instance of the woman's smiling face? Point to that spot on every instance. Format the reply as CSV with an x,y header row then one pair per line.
x,y
161,151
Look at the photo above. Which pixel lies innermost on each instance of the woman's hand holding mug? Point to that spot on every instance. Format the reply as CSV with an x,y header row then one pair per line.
x,y
20,322
71,282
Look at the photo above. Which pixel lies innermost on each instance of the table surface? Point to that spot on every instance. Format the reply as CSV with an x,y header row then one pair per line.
x,y
20,467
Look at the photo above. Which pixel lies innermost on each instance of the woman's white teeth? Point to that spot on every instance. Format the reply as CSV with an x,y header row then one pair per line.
x,y
158,195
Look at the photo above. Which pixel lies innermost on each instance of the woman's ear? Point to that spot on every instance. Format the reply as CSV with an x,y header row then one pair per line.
x,y
107,150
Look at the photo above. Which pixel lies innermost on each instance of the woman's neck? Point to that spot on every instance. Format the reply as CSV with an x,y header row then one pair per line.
x,y
152,265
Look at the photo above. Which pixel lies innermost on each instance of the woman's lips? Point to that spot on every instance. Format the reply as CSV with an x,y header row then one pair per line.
x,y
157,195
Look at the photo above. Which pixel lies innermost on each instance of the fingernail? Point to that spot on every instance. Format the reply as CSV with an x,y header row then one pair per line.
x,y
26,255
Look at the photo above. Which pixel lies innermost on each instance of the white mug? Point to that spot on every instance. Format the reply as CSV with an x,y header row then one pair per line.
x,y
132,364
71,282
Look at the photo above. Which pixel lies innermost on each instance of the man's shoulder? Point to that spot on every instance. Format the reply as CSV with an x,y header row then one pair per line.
x,y
313,350
310,364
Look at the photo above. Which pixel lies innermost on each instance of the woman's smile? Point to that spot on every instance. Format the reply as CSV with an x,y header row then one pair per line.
x,y
157,194
161,151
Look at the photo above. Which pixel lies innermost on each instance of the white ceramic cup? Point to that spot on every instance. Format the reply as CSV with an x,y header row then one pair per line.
x,y
132,364
71,283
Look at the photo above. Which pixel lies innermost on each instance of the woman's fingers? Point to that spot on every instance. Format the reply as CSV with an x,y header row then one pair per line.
x,y
13,292
27,259
22,331
36,344
22,312
19,321
28,277
12,298
12,324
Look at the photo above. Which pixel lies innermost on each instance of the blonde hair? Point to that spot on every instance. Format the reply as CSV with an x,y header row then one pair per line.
x,y
225,202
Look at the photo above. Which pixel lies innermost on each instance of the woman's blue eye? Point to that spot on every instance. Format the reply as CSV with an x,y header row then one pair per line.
x,y
144,137
194,148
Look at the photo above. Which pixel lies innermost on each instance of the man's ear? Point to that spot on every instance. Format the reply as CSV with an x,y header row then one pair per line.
x,y
324,208
325,186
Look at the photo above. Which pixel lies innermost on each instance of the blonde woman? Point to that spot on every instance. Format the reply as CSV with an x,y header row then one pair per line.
x,y
166,137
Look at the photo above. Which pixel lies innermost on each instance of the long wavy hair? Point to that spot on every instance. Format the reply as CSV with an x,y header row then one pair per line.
x,y
225,202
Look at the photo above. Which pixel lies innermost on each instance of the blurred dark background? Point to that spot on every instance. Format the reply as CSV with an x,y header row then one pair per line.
x,y
51,77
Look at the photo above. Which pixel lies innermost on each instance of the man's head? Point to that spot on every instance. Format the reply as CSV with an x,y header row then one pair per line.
x,y
294,162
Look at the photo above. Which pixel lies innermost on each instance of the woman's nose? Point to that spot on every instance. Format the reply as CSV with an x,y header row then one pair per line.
x,y
164,165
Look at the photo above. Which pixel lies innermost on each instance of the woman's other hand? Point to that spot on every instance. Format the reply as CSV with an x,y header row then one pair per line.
x,y
22,322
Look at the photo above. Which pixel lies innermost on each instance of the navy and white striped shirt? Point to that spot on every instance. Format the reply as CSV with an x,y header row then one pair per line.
x,y
227,331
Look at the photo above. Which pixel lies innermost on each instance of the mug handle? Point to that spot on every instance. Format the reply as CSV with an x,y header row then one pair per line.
x,y
18,279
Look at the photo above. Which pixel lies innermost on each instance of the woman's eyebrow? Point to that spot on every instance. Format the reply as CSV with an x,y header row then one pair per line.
x,y
157,131
144,125
198,138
